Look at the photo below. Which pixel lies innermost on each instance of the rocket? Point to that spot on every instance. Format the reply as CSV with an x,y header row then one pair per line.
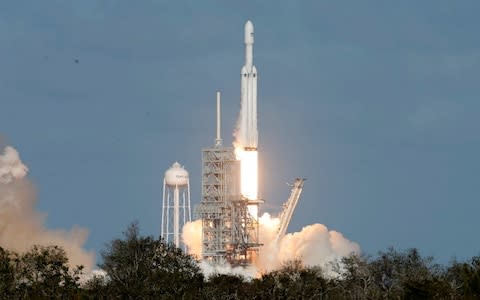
x,y
248,95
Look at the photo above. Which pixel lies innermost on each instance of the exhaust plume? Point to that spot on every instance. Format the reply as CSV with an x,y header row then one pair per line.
x,y
314,245
21,226
192,237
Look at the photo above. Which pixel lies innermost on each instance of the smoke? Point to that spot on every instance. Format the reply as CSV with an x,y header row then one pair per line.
x,y
192,237
10,166
209,269
314,245
21,226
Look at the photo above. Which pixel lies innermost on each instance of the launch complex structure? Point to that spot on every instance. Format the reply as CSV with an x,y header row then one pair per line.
x,y
229,205
229,228
228,210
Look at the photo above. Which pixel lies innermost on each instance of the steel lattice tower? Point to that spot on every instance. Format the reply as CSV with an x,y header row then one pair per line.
x,y
229,231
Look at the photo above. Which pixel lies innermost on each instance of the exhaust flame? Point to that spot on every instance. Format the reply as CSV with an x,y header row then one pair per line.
x,y
249,172
249,177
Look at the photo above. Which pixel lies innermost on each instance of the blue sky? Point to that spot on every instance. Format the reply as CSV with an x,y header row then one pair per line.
x,y
374,102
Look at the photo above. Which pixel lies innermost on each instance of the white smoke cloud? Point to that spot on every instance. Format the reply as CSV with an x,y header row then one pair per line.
x,y
11,166
209,270
314,245
21,226
192,237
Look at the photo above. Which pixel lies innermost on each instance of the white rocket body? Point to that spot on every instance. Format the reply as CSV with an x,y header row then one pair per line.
x,y
248,98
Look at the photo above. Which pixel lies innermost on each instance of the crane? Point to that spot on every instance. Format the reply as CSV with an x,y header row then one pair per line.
x,y
289,207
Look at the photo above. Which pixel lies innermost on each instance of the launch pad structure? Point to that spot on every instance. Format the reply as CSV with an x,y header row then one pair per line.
x,y
229,213
229,230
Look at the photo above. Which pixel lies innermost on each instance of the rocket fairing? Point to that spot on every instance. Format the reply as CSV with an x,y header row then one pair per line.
x,y
248,97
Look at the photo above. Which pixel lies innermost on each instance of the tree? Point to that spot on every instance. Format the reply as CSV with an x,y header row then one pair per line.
x,y
143,267
464,278
355,278
43,272
409,275
7,274
96,287
226,286
292,281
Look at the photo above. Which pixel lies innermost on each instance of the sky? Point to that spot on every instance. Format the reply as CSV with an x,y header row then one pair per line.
x,y
374,102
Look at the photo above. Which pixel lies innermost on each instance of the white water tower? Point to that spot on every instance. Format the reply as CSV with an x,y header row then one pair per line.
x,y
176,203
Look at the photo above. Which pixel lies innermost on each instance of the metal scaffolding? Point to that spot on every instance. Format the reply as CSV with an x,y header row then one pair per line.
x,y
289,207
229,231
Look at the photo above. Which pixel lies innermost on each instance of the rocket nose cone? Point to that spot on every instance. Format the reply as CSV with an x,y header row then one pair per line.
x,y
249,26
248,32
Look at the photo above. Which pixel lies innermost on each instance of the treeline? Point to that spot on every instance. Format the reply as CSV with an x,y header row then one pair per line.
x,y
142,267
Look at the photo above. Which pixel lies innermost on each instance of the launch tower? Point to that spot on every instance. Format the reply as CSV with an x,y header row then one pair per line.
x,y
229,230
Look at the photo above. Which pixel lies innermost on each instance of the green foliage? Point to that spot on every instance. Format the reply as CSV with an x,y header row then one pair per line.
x,y
354,278
292,281
392,275
464,278
226,286
143,267
96,287
41,273
7,274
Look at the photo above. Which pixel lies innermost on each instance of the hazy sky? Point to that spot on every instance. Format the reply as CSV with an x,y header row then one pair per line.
x,y
376,103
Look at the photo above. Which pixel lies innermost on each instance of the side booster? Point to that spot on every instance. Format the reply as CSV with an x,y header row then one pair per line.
x,y
248,97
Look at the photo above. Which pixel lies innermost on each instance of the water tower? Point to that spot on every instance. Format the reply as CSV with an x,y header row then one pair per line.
x,y
176,203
